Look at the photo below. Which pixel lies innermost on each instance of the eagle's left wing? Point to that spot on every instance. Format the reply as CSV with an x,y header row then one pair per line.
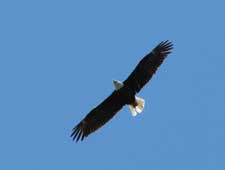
x,y
148,66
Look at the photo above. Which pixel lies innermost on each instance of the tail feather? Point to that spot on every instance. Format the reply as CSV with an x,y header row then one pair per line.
x,y
133,110
137,109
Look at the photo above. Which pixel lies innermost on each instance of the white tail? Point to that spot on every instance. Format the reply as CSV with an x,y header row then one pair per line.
x,y
140,106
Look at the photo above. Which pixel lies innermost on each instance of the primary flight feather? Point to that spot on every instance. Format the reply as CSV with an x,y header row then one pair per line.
x,y
124,93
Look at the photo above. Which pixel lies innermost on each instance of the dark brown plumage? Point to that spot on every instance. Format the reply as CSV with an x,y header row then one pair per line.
x,y
148,66
143,72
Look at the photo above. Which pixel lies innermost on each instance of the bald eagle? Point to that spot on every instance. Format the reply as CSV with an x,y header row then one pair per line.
x,y
124,93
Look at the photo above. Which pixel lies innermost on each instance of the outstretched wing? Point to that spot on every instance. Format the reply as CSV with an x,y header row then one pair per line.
x,y
98,116
148,66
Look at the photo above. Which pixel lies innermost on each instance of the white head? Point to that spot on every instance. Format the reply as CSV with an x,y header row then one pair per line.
x,y
117,84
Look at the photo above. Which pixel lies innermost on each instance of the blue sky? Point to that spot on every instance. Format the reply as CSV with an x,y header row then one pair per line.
x,y
58,60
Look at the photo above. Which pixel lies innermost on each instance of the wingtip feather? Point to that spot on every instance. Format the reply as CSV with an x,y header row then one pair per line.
x,y
77,133
164,47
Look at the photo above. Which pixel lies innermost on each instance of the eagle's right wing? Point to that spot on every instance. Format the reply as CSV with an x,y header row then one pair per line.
x,y
98,116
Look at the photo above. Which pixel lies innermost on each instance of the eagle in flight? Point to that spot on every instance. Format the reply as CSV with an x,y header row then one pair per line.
x,y
124,93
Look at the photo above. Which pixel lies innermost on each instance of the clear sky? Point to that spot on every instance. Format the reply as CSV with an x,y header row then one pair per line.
x,y
58,60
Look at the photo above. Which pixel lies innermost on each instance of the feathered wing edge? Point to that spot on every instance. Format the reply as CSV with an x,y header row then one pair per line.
x,y
78,132
98,116
167,46
148,65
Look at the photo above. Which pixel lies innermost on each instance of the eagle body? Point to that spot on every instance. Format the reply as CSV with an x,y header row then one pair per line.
x,y
136,104
124,93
